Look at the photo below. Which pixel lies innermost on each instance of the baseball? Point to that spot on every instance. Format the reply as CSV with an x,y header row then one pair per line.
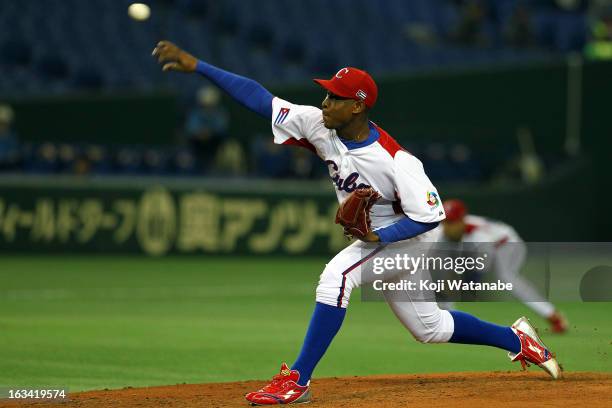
x,y
139,11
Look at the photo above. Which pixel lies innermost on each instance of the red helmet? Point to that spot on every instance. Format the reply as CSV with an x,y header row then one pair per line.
x,y
455,209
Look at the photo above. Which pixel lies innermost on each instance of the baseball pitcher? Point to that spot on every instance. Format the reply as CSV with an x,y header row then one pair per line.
x,y
387,201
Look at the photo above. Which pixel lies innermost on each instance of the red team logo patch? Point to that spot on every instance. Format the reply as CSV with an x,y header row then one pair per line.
x,y
282,115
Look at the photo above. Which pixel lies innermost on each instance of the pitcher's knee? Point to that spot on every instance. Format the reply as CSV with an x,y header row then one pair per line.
x,y
334,295
334,290
427,335
434,328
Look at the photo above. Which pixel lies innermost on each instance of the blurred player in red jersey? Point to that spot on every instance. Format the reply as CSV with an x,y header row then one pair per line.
x,y
510,254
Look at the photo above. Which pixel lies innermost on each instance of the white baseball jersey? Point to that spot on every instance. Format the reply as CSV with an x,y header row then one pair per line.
x,y
379,162
481,229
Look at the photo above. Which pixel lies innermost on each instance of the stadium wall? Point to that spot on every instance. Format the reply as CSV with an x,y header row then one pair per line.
x,y
178,216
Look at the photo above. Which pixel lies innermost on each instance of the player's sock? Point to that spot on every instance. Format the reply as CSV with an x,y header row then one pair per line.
x,y
325,323
471,330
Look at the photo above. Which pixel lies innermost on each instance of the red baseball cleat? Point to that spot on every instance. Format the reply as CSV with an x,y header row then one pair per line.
x,y
533,349
283,389
558,323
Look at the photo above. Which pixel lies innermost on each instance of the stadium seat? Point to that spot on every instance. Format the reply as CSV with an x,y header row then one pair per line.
x,y
223,31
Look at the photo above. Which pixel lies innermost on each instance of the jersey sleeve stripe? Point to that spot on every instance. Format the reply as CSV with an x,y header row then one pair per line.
x,y
501,242
469,228
388,143
301,143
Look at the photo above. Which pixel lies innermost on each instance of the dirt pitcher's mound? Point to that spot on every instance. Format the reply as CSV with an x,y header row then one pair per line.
x,y
507,389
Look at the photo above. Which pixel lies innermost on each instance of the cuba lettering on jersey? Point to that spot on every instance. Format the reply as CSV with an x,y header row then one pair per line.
x,y
379,162
349,184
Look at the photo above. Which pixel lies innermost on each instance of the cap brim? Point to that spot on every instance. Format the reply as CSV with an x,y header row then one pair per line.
x,y
328,84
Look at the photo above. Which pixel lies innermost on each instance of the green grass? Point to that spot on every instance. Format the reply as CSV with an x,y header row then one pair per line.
x,y
111,322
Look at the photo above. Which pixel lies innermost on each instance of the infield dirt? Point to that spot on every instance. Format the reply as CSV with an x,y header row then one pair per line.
x,y
497,389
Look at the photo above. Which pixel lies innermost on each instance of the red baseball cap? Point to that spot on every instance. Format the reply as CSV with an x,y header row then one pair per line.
x,y
352,83
454,209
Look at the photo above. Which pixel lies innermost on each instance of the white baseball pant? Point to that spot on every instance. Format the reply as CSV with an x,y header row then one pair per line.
x,y
425,320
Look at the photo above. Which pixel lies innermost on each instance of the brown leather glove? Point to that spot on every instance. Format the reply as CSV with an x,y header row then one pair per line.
x,y
354,212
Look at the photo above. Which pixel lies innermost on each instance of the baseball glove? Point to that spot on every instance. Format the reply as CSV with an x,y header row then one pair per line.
x,y
354,212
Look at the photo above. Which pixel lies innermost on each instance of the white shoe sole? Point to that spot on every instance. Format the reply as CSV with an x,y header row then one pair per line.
x,y
304,399
552,367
